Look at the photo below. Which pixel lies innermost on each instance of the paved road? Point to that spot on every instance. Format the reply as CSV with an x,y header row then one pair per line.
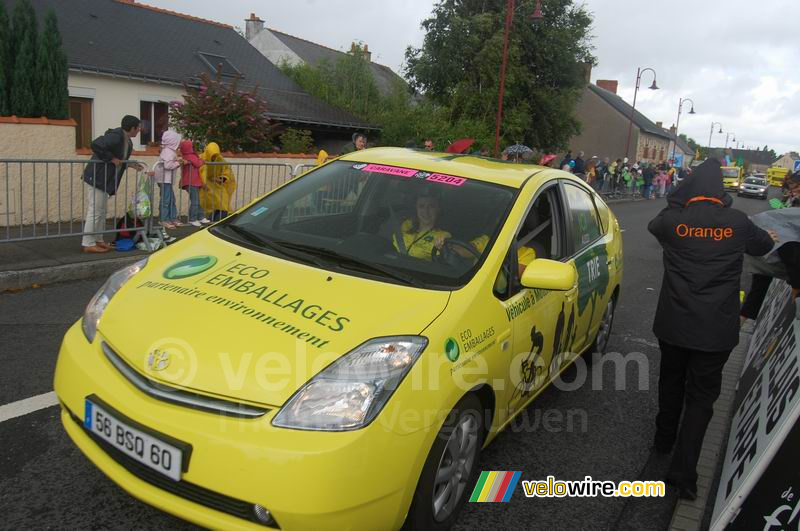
x,y
45,482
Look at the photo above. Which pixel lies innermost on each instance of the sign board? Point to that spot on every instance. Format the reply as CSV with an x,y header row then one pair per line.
x,y
678,162
796,166
765,422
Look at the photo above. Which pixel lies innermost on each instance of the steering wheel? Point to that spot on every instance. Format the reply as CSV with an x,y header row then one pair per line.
x,y
449,253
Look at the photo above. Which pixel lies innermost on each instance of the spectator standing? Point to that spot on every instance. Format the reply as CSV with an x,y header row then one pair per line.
x,y
648,174
102,176
697,322
566,160
220,183
359,143
428,143
192,182
164,171
580,164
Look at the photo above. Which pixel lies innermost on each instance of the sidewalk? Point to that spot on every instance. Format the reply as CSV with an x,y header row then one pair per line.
x,y
23,264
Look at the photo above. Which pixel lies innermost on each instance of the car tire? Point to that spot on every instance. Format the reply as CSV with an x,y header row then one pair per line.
x,y
601,339
433,506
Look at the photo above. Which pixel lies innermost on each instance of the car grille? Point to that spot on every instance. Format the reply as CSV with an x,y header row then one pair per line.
x,y
184,489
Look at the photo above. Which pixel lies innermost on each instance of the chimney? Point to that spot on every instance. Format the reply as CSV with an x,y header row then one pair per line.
x,y
673,130
587,72
253,26
361,51
609,85
660,125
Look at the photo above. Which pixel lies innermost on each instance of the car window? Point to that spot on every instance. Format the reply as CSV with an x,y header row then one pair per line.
x,y
585,226
537,237
401,224
755,180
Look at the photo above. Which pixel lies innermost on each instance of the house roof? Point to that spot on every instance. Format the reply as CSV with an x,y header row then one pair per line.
x,y
125,39
313,53
682,145
640,120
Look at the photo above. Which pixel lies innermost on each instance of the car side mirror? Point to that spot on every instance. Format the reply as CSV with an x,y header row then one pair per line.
x,y
549,274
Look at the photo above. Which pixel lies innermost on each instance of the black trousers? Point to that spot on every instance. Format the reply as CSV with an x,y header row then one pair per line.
x,y
755,297
689,383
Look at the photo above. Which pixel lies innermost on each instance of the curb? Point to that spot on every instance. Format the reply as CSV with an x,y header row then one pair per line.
x,y
14,280
689,515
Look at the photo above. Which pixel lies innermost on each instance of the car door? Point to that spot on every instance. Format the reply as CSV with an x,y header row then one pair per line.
x,y
590,256
540,319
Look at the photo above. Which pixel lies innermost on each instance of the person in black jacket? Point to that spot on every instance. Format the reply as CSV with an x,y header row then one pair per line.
x,y
102,176
697,320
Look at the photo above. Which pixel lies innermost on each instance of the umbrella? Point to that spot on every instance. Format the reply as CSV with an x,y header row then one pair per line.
x,y
518,149
460,145
547,159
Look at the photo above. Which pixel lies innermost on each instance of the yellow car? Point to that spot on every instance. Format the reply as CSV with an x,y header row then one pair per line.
x,y
336,354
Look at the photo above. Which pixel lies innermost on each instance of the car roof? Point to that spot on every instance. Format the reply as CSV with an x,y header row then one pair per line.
x,y
469,166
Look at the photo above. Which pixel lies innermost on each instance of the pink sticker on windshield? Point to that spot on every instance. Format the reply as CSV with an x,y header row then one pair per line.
x,y
446,179
390,170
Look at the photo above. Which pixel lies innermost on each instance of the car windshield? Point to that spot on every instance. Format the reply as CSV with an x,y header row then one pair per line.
x,y
399,225
755,180
730,172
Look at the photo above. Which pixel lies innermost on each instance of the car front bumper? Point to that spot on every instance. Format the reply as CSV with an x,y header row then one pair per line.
x,y
361,479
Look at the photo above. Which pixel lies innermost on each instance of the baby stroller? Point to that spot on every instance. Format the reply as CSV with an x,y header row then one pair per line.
x,y
137,224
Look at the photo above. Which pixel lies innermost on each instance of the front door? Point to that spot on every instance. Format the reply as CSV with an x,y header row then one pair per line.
x,y
541,320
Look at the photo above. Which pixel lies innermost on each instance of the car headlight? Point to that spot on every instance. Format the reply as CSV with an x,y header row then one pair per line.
x,y
96,306
351,391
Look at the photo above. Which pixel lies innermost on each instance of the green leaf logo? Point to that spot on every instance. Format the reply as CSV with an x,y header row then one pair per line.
x,y
451,349
189,267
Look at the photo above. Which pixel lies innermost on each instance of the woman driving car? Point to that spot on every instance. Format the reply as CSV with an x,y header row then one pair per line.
x,y
418,235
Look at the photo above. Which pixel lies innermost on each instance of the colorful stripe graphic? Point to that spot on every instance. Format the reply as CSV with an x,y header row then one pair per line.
x,y
494,486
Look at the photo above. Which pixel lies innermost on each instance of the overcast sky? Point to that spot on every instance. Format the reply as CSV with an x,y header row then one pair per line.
x,y
738,60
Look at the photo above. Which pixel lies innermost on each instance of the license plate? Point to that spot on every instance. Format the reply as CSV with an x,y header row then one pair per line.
x,y
135,443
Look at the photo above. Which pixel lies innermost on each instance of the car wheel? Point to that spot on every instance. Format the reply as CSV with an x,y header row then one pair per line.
x,y
450,469
600,343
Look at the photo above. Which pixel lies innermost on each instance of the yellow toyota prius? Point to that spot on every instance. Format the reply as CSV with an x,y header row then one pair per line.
x,y
336,354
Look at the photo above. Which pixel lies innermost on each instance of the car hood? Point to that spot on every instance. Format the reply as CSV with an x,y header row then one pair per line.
x,y
241,324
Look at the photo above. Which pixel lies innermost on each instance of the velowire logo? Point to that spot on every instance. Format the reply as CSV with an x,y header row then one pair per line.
x,y
189,267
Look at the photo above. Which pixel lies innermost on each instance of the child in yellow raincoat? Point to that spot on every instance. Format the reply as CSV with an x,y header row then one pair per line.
x,y
215,199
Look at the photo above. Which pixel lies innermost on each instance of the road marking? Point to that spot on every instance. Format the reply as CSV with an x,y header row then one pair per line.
x,y
29,405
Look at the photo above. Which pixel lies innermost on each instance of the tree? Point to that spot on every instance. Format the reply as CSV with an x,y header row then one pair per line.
x,y
52,71
457,67
296,141
24,95
5,61
219,112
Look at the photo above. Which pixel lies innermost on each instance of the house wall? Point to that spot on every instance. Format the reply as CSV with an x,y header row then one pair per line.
x,y
604,130
46,193
786,161
116,97
274,49
652,148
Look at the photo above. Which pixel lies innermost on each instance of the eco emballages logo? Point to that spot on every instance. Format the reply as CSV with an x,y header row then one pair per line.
x,y
494,486
189,267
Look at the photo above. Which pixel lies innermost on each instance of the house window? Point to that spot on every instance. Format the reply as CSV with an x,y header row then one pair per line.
x,y
155,120
80,110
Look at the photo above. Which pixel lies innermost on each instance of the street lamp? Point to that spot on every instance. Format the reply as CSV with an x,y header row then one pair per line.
x,y
639,73
510,10
711,133
681,101
728,135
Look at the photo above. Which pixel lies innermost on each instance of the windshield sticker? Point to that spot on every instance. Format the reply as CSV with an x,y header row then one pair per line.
x,y
390,170
446,179
259,211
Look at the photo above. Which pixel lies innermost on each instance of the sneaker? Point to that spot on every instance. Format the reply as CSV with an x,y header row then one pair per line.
x,y
170,239
196,223
178,224
205,221
167,224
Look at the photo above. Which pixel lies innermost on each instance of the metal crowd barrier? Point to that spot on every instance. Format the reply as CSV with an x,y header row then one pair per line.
x,y
42,199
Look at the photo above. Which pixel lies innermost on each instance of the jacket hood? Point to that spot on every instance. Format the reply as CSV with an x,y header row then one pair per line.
x,y
186,147
212,151
170,139
705,181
